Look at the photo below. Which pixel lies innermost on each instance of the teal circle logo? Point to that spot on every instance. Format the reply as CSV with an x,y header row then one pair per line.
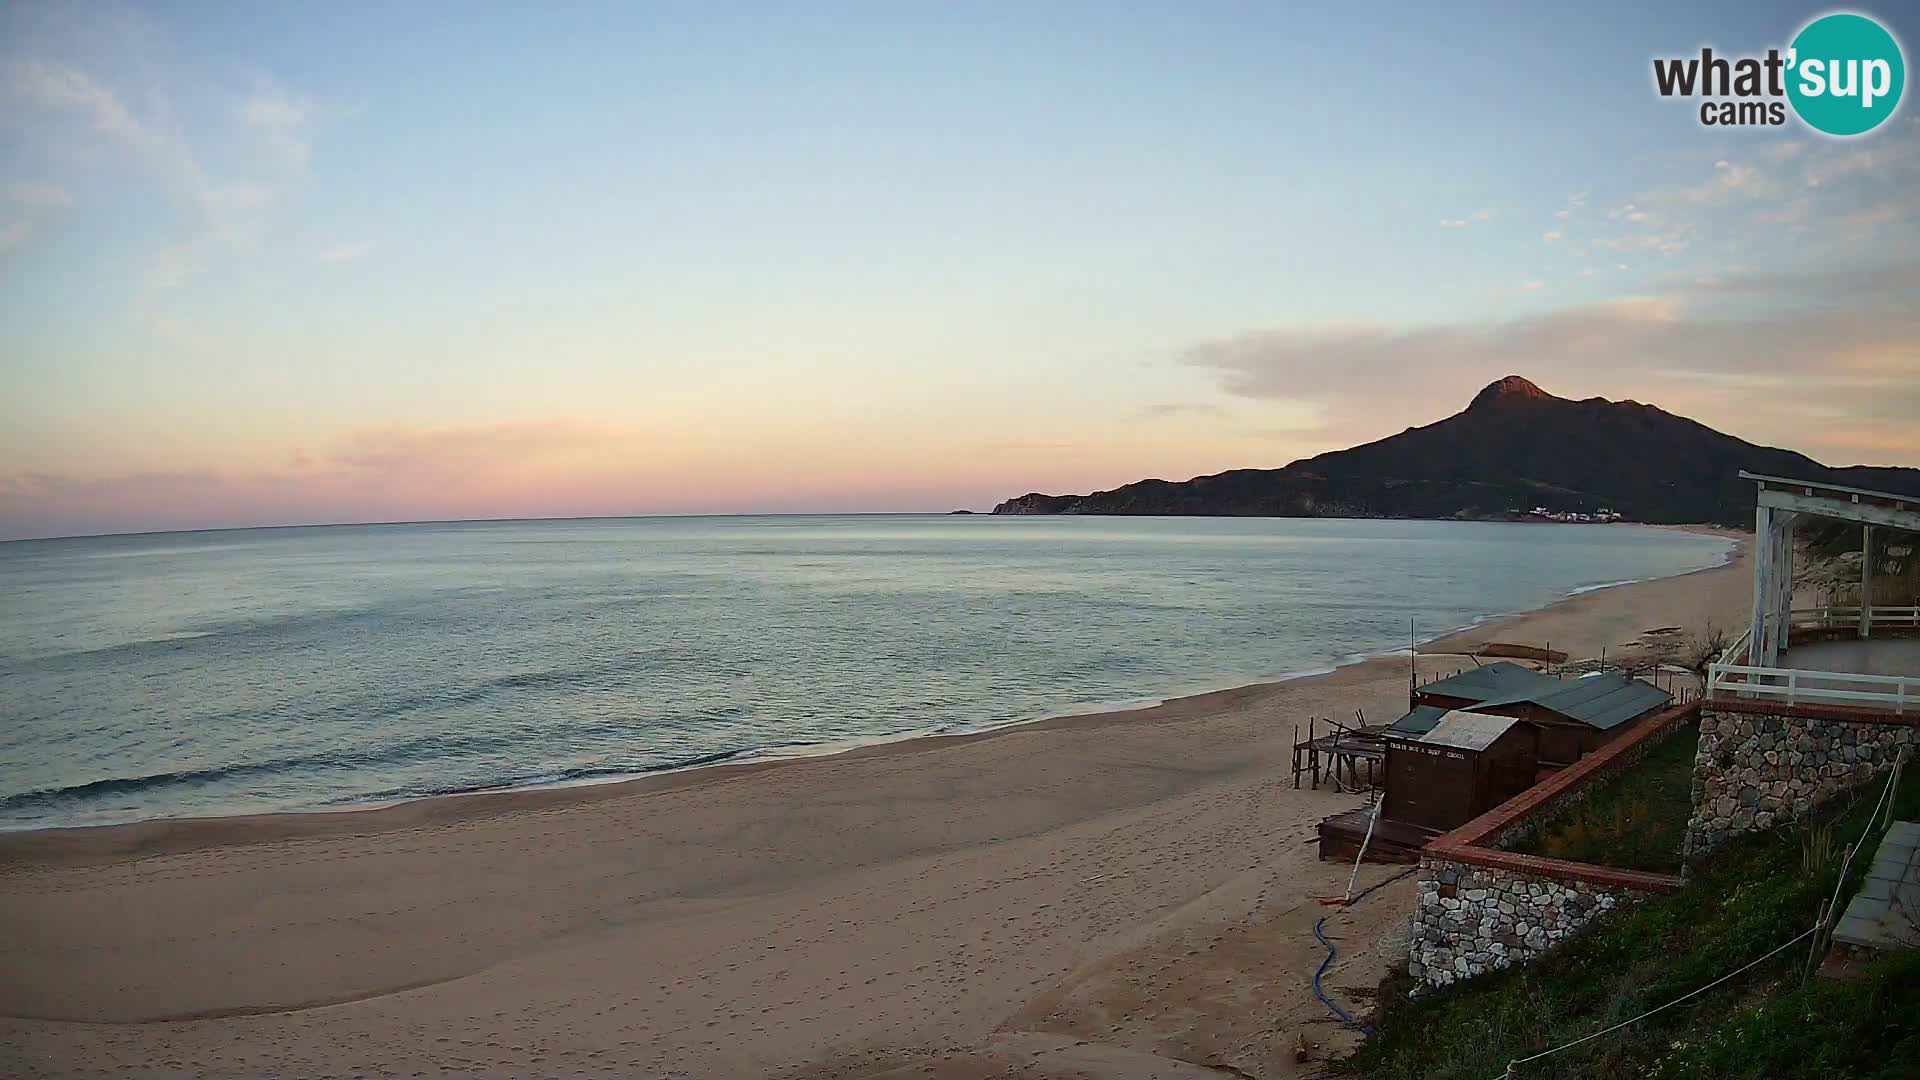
x,y
1845,74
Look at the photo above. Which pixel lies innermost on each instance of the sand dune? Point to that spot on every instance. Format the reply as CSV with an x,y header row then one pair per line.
x,y
1118,894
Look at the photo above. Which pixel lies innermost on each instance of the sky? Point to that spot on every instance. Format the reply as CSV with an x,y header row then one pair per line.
x,y
271,264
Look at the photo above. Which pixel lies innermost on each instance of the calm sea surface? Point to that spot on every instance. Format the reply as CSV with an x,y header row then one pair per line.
x,y
245,671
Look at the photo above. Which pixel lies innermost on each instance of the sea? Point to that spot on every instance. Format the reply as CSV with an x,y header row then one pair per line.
x,y
296,669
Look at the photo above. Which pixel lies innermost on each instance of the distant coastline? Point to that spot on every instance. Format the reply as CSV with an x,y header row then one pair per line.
x,y
1513,453
750,759
1076,858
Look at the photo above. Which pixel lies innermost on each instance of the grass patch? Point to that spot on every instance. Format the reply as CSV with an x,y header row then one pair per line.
x,y
1761,891
1633,820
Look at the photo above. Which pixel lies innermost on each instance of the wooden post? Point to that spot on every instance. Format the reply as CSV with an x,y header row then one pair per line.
x,y
1296,757
1866,581
1813,951
1313,754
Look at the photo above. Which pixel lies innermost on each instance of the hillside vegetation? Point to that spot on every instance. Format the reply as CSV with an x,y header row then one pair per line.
x,y
1764,1025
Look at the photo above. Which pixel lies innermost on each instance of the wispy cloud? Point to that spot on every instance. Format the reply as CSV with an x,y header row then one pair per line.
x,y
1462,222
283,120
1845,342
63,86
1165,410
30,202
534,467
38,196
14,234
347,252
227,213
477,449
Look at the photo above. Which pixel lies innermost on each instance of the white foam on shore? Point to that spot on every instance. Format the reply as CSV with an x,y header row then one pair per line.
x,y
1605,585
834,747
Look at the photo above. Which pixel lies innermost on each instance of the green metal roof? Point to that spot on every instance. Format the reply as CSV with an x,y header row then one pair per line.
x,y
1604,700
1419,721
1502,680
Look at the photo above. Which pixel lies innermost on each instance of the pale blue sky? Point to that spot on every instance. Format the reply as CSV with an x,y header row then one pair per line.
x,y
349,261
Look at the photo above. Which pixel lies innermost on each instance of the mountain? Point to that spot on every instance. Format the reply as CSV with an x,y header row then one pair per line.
x,y
1513,448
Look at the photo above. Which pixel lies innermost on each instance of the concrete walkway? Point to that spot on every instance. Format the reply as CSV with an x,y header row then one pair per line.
x,y
1886,912
1874,656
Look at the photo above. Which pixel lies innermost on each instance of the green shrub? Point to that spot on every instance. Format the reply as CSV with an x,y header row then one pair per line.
x,y
1763,890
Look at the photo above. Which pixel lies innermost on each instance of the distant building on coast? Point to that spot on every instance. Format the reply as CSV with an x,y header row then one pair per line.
x,y
1600,516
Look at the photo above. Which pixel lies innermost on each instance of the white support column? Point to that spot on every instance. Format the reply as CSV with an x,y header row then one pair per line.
x,y
1762,584
1775,631
1866,581
1783,576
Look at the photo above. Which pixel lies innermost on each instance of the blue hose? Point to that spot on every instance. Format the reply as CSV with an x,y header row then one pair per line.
x,y
1345,1017
1319,934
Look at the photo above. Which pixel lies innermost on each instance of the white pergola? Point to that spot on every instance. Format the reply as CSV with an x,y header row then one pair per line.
x,y
1781,501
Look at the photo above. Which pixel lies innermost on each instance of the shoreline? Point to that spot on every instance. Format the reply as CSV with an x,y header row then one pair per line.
x,y
1137,886
162,835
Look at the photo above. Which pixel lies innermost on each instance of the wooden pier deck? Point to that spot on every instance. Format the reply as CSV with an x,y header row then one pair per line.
x,y
1393,841
1354,758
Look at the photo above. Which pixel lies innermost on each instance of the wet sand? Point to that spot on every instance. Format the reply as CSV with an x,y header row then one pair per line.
x,y
1067,898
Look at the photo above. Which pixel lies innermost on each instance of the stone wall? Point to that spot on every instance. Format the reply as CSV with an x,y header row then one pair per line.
x,y
1470,920
1482,908
1762,764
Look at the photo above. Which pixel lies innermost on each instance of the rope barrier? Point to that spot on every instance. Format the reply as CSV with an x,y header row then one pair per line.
x,y
1517,1062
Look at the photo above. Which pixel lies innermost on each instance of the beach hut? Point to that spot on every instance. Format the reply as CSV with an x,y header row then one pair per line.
x,y
1469,688
1575,716
1467,764
1578,716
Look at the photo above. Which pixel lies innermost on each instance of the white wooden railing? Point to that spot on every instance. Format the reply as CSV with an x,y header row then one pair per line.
x,y
1795,686
1877,615
1733,675
1736,653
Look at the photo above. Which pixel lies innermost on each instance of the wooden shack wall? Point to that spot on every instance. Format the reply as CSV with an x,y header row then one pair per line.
x,y
1562,741
1431,786
1443,701
1506,768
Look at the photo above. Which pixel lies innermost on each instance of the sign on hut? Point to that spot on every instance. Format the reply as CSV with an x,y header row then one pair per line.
x,y
1467,764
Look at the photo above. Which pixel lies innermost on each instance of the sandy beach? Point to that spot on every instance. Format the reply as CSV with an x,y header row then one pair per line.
x,y
1093,896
